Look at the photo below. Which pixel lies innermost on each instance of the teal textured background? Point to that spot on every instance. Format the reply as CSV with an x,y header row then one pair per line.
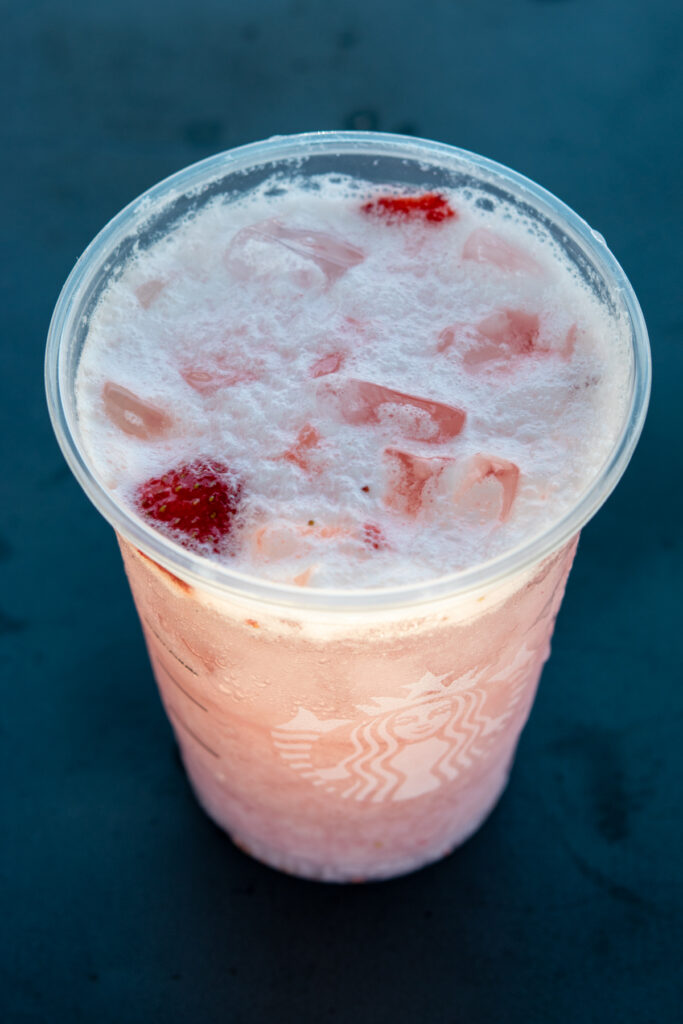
x,y
121,902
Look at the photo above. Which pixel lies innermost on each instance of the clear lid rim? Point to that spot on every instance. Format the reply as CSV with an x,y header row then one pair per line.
x,y
199,570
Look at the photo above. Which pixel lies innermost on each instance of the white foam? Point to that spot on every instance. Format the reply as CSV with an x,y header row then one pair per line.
x,y
255,315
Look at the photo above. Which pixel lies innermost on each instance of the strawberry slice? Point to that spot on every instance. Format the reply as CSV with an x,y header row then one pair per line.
x,y
428,207
199,500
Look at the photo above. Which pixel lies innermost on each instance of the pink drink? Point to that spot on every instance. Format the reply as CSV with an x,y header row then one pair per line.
x,y
348,434
363,751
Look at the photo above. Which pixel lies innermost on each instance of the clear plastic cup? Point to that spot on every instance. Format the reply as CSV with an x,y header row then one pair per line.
x,y
344,735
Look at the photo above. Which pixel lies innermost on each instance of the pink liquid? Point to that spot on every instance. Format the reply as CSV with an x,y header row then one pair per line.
x,y
358,756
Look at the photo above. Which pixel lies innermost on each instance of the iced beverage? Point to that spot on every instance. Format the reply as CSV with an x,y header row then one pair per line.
x,y
347,400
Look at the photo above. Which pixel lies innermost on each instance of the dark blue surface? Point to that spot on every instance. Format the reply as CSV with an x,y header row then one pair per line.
x,y
120,901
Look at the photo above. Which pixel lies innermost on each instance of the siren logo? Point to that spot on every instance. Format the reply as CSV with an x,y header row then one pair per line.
x,y
402,747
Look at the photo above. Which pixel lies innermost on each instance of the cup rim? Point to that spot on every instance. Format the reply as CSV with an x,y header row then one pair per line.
x,y
198,570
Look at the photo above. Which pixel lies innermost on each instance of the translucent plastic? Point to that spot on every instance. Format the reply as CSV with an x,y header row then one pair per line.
x,y
344,734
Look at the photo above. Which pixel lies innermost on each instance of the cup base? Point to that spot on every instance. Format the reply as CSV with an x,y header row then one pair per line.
x,y
387,866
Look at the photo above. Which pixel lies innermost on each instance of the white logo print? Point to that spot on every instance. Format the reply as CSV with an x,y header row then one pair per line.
x,y
406,746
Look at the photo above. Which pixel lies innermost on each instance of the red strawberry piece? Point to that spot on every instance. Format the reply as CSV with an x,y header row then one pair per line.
x,y
373,536
199,500
428,207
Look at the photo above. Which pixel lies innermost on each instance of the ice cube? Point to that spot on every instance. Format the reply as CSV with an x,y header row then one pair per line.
x,y
569,345
330,363
147,292
249,254
481,468
276,540
213,374
411,480
414,418
133,415
503,335
507,335
462,336
509,332
333,254
299,452
302,579
342,335
446,339
282,538
484,246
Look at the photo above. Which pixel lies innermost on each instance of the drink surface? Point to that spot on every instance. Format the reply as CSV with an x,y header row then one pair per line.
x,y
336,385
